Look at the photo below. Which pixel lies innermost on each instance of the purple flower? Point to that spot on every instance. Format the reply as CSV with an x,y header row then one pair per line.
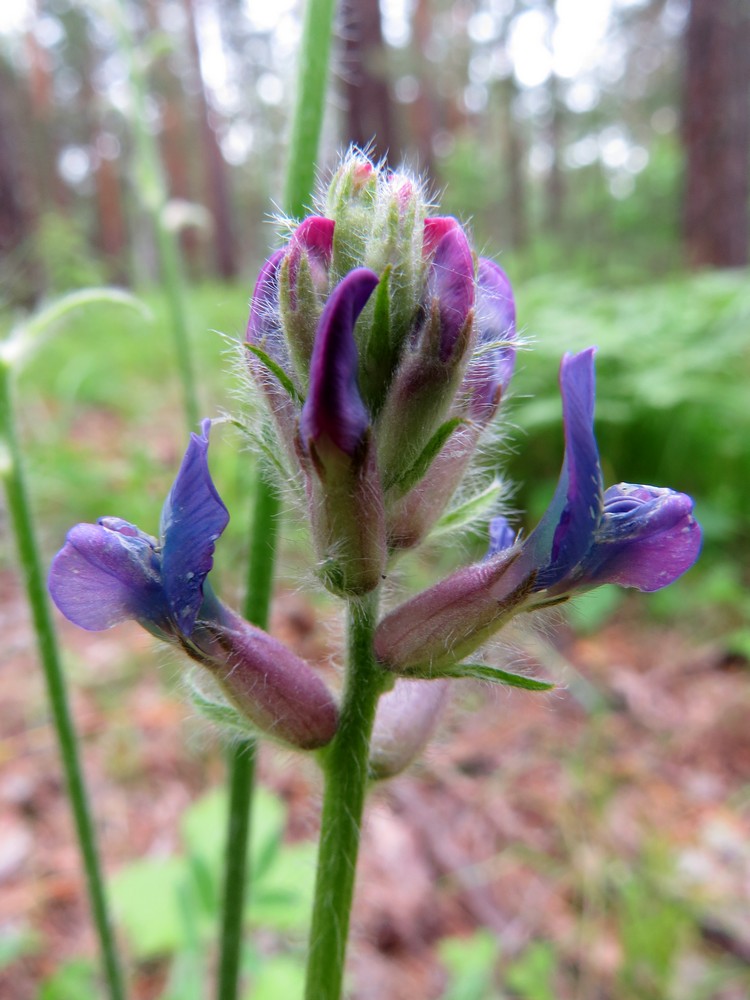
x,y
111,571
636,536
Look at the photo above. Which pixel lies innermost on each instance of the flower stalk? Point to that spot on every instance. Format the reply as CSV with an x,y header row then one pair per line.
x,y
303,152
346,768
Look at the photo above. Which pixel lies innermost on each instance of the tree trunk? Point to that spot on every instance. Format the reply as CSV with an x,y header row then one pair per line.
x,y
716,133
369,114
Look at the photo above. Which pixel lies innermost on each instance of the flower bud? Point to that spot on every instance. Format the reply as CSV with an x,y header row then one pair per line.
x,y
431,368
335,443
405,720
440,626
303,285
270,686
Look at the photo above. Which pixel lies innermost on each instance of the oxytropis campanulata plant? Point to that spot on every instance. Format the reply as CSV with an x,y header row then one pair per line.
x,y
382,347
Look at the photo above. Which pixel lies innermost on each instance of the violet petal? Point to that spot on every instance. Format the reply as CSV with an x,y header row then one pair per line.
x,y
192,518
502,536
496,325
334,407
451,286
647,538
264,325
565,533
107,573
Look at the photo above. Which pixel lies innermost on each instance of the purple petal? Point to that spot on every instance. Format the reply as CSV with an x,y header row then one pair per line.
x,y
502,536
334,407
192,518
647,538
451,285
264,325
107,573
565,533
496,325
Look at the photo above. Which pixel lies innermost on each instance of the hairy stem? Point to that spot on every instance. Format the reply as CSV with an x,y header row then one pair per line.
x,y
19,507
300,177
345,764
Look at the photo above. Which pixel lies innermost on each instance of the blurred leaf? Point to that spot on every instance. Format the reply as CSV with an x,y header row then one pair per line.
x,y
532,975
145,899
73,981
589,612
471,965
279,976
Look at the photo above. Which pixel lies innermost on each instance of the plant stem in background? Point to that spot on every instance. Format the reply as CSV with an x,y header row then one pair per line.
x,y
303,154
308,115
152,189
242,755
345,764
12,472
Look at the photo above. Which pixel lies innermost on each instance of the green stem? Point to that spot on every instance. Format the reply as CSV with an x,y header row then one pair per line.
x,y
12,472
241,763
242,755
174,286
153,193
312,81
345,764
303,154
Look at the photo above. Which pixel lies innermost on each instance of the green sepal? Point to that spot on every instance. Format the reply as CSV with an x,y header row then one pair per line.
x,y
483,672
411,476
375,353
475,508
223,715
276,369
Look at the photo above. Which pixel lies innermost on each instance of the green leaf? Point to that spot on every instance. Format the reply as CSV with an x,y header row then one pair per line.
x,y
278,371
476,507
403,483
484,672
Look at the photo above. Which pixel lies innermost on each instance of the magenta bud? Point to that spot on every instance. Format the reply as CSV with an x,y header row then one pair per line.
x,y
334,411
434,230
405,720
274,689
313,237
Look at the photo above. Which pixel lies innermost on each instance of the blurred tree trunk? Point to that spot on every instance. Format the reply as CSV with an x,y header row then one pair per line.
x,y
423,111
369,113
555,182
217,190
716,133
513,155
20,279
43,137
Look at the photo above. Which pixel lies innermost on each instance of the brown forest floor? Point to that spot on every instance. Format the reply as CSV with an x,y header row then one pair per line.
x,y
589,796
